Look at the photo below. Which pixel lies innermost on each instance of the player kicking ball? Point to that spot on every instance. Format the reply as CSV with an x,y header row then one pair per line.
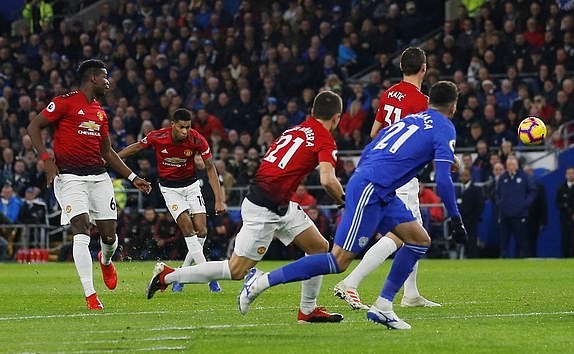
x,y
372,205
175,149
267,211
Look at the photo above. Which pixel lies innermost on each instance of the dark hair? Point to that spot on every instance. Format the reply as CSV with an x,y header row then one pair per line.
x,y
90,67
412,59
181,114
443,94
326,104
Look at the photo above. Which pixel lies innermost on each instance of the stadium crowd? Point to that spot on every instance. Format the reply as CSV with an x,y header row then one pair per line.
x,y
249,70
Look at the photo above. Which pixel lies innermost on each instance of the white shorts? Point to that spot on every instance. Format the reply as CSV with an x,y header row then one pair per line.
x,y
260,225
181,199
409,194
93,195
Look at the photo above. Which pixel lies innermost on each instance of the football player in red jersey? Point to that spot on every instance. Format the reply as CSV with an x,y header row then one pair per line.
x,y
397,102
175,149
83,188
267,210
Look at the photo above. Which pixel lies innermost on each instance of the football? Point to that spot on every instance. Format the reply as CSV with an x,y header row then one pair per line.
x,y
532,131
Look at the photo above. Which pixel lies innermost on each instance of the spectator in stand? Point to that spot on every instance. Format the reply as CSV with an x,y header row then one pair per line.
x,y
303,197
470,203
11,204
482,159
476,174
168,240
321,221
541,109
427,196
506,96
565,203
515,193
538,213
352,119
20,178
502,134
206,124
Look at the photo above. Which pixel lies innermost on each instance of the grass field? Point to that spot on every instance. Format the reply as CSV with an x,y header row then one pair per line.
x,y
489,306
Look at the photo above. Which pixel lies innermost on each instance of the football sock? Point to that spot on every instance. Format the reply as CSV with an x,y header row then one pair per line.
x,y
200,273
108,250
403,264
410,287
201,240
383,304
309,292
305,268
194,251
374,257
83,262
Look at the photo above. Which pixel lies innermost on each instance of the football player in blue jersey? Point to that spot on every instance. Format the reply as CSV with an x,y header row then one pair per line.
x,y
394,157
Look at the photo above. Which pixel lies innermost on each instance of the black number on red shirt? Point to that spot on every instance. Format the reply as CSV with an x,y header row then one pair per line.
x,y
284,140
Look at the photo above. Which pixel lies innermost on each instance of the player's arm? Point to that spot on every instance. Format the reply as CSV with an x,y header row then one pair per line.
x,y
130,150
34,131
330,182
119,166
377,126
215,185
445,189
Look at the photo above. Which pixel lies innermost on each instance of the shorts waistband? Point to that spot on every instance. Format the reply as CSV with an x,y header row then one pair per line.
x,y
177,183
257,196
84,171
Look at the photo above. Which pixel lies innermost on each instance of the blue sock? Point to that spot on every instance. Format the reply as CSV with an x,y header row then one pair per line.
x,y
304,268
403,265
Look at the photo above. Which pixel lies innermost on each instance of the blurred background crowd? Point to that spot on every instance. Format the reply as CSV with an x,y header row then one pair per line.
x,y
248,70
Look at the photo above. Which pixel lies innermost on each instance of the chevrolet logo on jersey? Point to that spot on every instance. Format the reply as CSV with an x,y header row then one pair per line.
x,y
92,128
174,161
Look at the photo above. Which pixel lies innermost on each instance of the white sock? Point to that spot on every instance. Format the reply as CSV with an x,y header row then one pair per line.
x,y
201,240
410,286
383,304
200,273
309,292
108,251
374,257
194,251
83,262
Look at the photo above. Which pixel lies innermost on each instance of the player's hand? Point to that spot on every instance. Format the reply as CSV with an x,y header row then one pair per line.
x,y
220,207
142,185
51,171
457,230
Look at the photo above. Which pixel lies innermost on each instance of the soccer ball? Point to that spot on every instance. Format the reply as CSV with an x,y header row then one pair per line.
x,y
532,131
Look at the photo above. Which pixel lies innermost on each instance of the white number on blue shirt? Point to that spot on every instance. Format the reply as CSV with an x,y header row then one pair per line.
x,y
394,130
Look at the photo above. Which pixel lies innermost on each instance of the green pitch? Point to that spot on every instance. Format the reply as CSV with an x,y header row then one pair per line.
x,y
489,306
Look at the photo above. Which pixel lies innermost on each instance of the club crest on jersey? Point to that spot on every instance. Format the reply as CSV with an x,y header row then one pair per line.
x,y
174,207
100,115
187,152
261,250
91,128
68,209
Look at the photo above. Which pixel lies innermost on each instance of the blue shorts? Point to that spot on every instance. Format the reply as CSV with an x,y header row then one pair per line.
x,y
368,208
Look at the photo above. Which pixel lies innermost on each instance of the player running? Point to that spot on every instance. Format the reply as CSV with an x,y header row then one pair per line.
x,y
82,187
175,149
267,210
372,205
397,102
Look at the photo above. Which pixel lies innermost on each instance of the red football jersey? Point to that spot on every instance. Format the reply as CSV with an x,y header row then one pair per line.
x,y
399,101
175,161
79,127
294,154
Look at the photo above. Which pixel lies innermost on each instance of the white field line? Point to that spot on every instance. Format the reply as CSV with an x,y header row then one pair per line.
x,y
128,350
105,314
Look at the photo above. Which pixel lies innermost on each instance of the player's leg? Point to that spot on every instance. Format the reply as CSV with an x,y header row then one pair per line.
x,y
363,206
72,195
251,244
346,289
409,194
416,244
104,212
199,220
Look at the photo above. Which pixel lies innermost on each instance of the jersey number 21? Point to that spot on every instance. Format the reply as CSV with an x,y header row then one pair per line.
x,y
394,130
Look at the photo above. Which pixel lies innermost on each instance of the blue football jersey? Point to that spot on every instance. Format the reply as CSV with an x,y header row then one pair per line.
x,y
401,150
